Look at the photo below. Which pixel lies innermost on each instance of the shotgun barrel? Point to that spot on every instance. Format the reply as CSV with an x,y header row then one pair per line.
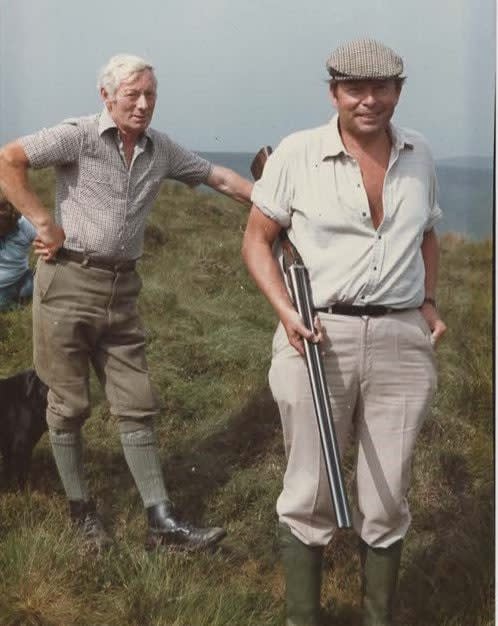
x,y
299,283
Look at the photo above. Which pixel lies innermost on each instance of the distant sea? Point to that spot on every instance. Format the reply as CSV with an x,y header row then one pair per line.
x,y
465,190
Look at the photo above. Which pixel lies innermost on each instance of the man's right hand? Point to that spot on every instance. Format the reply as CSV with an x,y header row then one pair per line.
x,y
48,240
297,331
14,165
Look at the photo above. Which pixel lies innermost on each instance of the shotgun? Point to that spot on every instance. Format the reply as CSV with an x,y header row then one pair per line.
x,y
299,282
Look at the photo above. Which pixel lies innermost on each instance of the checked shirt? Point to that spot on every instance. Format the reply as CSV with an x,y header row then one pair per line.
x,y
101,203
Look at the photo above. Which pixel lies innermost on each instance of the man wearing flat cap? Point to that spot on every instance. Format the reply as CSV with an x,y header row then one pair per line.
x,y
357,198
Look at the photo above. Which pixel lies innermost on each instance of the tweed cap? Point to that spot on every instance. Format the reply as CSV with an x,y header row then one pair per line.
x,y
364,59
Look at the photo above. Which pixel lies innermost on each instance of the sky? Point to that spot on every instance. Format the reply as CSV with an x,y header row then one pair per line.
x,y
234,75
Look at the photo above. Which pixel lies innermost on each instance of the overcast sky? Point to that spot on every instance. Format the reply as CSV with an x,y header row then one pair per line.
x,y
236,75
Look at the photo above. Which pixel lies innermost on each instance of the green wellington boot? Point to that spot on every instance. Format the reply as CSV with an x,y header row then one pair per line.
x,y
303,577
379,579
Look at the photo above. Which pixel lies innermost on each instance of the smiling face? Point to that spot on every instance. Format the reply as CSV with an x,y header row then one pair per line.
x,y
132,105
365,106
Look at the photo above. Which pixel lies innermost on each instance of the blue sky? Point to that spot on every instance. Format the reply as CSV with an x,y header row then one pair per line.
x,y
236,75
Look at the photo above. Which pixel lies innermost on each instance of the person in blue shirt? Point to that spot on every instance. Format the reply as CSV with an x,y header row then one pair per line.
x,y
16,277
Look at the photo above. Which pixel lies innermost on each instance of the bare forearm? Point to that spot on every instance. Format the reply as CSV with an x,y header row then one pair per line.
x,y
266,274
260,234
230,183
15,185
16,188
430,254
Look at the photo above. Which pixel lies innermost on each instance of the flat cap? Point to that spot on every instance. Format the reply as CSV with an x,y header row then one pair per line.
x,y
364,59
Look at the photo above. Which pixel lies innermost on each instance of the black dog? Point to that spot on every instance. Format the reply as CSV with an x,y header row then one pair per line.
x,y
23,403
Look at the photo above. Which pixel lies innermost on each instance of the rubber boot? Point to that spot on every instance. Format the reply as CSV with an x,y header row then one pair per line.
x,y
380,568
303,574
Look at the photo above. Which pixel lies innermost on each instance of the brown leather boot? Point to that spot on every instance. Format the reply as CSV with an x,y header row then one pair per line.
x,y
85,518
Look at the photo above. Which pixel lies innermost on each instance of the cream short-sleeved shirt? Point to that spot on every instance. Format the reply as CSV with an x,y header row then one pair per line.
x,y
314,188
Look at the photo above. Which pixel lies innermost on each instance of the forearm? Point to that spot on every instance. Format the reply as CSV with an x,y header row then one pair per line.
x,y
266,273
261,232
230,183
430,254
15,185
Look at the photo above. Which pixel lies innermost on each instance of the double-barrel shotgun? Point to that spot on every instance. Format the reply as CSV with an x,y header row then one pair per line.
x,y
299,282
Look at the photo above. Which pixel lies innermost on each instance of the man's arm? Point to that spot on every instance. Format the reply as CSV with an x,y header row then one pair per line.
x,y
260,234
14,183
227,181
430,254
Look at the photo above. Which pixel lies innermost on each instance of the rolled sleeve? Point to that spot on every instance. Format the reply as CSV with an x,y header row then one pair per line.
x,y
52,146
272,194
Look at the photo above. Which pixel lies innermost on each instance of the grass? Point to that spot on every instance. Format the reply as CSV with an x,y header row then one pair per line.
x,y
208,341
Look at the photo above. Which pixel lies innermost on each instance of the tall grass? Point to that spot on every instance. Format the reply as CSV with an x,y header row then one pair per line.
x,y
208,341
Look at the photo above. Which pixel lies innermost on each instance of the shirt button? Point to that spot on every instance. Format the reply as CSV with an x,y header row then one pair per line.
x,y
375,268
364,214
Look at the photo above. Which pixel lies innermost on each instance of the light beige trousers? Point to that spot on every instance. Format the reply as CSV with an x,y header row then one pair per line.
x,y
381,374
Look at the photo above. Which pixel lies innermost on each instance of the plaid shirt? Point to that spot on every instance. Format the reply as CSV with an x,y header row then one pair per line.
x,y
101,203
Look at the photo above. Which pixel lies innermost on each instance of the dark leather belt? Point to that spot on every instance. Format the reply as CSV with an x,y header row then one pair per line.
x,y
372,310
103,263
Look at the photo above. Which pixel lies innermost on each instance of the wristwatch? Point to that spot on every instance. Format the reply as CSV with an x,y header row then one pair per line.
x,y
430,301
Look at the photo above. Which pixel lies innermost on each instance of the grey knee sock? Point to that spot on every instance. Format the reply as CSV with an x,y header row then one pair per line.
x,y
140,450
67,450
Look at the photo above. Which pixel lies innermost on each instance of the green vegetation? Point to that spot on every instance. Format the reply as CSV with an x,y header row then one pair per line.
x,y
209,340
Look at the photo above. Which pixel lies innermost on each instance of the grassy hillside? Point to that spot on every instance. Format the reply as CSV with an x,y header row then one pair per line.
x,y
208,335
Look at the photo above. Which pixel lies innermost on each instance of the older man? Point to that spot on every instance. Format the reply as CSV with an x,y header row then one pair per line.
x,y
109,168
358,199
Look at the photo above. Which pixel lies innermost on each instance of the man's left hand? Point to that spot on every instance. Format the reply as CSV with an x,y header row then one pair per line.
x,y
435,323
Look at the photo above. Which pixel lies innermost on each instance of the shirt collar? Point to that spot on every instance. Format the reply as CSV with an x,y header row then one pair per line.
x,y
399,138
332,145
106,122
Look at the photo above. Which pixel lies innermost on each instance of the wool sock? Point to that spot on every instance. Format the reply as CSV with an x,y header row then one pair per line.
x,y
67,448
140,450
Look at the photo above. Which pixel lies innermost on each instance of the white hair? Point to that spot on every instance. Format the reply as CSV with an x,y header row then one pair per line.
x,y
119,68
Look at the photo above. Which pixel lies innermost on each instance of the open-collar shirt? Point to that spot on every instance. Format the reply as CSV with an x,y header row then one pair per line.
x,y
313,188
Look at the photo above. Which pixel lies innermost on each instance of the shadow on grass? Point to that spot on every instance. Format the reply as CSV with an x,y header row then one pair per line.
x,y
247,436
244,439
449,545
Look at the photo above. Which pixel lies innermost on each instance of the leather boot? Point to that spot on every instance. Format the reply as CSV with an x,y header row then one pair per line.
x,y
84,516
166,529
303,576
379,579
